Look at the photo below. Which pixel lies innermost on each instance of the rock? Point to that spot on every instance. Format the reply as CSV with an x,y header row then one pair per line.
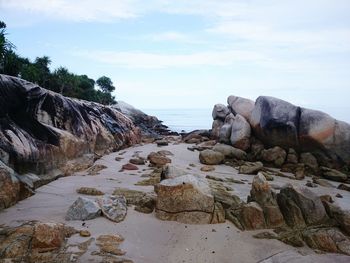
x,y
130,167
300,172
110,244
268,176
211,157
252,216
43,132
329,240
9,187
144,202
220,111
165,153
172,171
161,142
225,133
185,199
218,214
333,175
89,191
83,209
310,162
154,178
94,170
251,167
275,155
311,184
263,195
300,206
84,233
265,235
344,187
318,130
35,242
113,207
230,152
137,161
158,159
275,122
341,216
207,168
216,127
338,195
292,156
322,182
256,149
241,106
240,133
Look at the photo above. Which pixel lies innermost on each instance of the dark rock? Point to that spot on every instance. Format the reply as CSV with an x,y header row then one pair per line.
x,y
300,206
310,162
137,161
275,155
344,187
129,166
292,156
333,175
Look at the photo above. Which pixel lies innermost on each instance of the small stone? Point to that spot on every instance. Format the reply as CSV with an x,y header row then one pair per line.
x,y
207,168
343,187
338,195
137,161
113,207
89,191
162,143
84,233
83,209
94,170
130,167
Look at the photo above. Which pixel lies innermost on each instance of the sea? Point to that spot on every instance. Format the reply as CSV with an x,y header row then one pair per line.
x,y
180,120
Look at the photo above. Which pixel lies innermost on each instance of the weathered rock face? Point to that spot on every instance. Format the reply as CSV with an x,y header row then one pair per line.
x,y
220,111
149,125
241,106
240,133
300,206
9,187
41,131
185,199
275,122
275,155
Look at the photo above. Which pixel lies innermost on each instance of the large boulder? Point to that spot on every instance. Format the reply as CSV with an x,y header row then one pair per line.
x,y
220,111
251,216
185,199
211,157
43,133
333,175
225,133
319,130
300,206
242,106
275,122
240,133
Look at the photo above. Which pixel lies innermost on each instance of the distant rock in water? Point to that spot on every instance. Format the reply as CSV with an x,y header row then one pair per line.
x,y
149,125
45,133
275,122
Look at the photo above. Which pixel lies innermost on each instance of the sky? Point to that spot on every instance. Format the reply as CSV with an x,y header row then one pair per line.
x,y
195,53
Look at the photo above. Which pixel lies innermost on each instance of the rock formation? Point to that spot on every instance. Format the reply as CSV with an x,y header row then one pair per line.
x,y
44,135
259,128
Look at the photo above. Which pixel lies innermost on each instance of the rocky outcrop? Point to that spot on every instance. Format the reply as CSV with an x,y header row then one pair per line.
x,y
274,122
42,132
187,199
150,125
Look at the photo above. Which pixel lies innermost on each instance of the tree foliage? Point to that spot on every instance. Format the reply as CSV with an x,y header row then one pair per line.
x,y
59,80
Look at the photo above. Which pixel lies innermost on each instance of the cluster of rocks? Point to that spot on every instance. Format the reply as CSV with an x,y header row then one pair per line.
x,y
279,134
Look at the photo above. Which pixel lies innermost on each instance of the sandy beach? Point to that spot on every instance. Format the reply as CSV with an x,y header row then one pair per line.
x,y
148,239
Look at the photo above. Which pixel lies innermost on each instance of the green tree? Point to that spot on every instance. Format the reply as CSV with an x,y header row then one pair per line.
x,y
105,84
5,46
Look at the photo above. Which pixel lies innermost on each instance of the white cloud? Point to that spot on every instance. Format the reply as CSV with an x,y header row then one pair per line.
x,y
156,60
73,10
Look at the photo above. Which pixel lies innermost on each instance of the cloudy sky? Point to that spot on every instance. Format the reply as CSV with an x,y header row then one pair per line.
x,y
193,54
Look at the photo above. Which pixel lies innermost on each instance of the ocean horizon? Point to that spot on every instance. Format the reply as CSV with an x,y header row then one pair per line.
x,y
183,119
